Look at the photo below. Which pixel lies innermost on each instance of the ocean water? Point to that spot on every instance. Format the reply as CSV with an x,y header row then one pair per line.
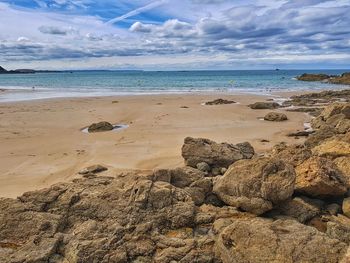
x,y
106,83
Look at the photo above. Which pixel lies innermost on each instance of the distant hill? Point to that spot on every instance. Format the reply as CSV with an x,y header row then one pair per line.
x,y
24,71
2,70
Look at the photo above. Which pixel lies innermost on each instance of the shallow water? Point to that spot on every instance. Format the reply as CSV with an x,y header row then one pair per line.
x,y
105,83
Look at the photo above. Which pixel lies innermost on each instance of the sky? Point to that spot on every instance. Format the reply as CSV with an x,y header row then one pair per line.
x,y
175,34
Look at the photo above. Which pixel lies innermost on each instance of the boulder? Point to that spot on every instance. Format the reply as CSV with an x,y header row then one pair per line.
x,y
100,127
262,240
275,116
264,105
185,176
343,165
293,154
203,166
256,185
220,102
199,150
319,177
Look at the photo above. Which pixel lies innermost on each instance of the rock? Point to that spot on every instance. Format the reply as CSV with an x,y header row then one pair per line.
x,y
256,185
216,171
2,70
343,126
262,240
333,209
313,77
203,166
300,134
342,79
301,208
94,169
343,165
99,220
332,148
293,154
100,127
346,207
220,102
185,176
319,177
195,151
264,105
338,227
275,116
319,136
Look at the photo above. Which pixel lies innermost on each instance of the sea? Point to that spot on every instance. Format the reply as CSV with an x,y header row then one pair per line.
x,y
109,83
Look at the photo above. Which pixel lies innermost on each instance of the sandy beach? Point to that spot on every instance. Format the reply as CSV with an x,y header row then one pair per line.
x,y
42,142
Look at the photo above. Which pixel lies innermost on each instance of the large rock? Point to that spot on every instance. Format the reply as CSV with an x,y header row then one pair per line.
x,y
283,241
195,151
275,116
293,154
264,105
98,220
319,177
100,127
256,185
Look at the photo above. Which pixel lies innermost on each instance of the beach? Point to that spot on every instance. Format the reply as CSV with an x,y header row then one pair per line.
x,y
42,142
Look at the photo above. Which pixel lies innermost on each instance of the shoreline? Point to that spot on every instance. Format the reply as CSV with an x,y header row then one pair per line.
x,y
42,142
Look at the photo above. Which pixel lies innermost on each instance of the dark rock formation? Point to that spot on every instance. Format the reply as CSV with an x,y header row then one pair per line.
x,y
220,102
313,77
100,127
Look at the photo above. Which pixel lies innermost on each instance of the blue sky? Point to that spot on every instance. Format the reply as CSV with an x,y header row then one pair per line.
x,y
169,34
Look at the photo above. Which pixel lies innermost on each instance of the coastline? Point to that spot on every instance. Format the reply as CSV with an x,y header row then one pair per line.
x,y
42,142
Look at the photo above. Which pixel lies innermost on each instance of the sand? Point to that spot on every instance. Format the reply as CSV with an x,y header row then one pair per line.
x,y
42,143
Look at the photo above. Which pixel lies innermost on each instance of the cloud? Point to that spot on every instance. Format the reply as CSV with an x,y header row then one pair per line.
x,y
137,11
54,30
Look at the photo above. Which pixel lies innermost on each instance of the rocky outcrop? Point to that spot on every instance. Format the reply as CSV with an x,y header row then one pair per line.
x,y
2,70
313,77
220,102
195,151
340,79
319,177
100,127
256,185
275,116
264,105
93,169
261,240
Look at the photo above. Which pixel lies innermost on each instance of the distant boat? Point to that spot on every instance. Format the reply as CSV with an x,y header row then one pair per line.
x,y
277,69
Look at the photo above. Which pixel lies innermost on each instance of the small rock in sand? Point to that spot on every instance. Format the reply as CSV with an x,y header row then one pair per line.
x,y
264,105
220,102
100,127
94,169
275,116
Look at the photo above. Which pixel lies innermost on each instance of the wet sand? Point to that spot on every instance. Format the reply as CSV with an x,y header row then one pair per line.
x,y
42,142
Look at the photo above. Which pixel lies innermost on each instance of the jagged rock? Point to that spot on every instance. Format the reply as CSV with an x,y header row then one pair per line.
x,y
203,166
343,165
100,219
320,136
94,169
100,127
262,240
301,208
220,102
293,154
264,105
338,227
313,77
275,116
343,126
185,176
195,151
342,79
319,177
333,148
256,185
